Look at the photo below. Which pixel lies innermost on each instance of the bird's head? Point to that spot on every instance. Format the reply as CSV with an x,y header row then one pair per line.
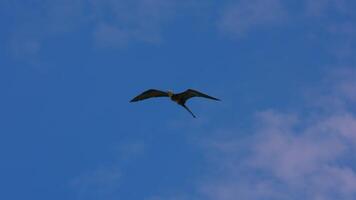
x,y
170,93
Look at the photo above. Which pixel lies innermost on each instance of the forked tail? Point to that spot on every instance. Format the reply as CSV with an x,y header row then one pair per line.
x,y
189,110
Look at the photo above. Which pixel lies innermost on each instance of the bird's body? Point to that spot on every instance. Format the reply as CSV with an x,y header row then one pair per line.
x,y
179,98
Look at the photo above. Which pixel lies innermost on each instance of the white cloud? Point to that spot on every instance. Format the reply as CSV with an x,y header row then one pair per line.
x,y
288,155
286,163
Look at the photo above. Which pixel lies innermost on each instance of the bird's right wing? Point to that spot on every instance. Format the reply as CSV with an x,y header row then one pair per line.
x,y
149,94
193,93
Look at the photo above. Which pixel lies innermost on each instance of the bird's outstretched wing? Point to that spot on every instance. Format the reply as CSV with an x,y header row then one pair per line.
x,y
193,93
149,94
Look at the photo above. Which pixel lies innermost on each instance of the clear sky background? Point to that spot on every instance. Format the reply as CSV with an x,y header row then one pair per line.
x,y
284,130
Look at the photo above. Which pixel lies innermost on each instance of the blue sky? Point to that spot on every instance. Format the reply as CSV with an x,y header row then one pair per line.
x,y
285,71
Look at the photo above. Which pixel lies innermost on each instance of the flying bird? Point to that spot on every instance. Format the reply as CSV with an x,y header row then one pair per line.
x,y
179,98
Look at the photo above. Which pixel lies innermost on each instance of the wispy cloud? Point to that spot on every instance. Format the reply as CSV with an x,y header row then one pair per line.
x,y
244,16
343,40
335,19
321,8
104,182
97,184
138,20
36,23
240,18
110,23
337,93
286,155
289,156
110,36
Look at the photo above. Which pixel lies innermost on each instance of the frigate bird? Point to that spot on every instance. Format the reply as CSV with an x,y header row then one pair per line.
x,y
179,98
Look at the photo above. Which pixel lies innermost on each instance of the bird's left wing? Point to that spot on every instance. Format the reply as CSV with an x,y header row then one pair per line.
x,y
149,94
193,93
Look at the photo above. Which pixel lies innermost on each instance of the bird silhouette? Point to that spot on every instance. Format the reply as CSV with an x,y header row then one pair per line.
x,y
179,98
